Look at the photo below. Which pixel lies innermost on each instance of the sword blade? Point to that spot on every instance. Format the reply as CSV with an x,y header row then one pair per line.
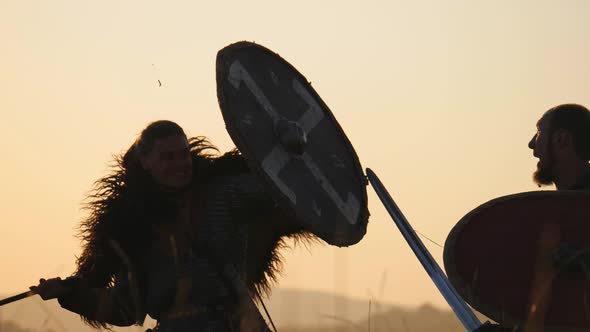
x,y
16,297
463,312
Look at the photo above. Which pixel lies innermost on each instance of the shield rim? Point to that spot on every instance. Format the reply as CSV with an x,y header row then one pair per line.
x,y
354,233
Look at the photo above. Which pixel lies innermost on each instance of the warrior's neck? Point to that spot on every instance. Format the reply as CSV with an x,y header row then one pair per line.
x,y
570,175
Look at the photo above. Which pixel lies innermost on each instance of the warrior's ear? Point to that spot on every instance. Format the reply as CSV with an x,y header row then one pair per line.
x,y
562,138
130,157
145,161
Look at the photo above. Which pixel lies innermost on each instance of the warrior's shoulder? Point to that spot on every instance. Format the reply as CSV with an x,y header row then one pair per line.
x,y
231,162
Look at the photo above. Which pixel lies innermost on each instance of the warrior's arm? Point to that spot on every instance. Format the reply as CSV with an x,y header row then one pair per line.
x,y
252,199
248,194
111,305
572,260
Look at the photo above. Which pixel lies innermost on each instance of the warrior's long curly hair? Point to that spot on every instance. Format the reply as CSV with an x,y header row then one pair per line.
x,y
125,204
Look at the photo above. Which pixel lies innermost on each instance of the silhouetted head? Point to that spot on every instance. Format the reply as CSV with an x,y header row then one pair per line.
x,y
563,137
163,152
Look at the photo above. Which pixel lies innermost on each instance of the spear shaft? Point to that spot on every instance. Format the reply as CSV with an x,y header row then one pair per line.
x,y
17,297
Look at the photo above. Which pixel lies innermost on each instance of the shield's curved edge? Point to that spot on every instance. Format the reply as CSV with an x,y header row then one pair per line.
x,y
221,73
462,285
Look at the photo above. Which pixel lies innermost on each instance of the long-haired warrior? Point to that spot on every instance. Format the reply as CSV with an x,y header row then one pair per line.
x,y
179,233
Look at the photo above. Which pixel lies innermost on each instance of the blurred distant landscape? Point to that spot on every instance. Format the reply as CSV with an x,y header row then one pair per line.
x,y
291,311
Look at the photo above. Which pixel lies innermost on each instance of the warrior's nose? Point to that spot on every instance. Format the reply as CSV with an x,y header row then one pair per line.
x,y
532,143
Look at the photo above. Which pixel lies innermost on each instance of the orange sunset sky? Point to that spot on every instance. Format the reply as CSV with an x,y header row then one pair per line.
x,y
439,98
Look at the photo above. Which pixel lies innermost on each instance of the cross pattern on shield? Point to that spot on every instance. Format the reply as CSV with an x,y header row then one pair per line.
x,y
289,137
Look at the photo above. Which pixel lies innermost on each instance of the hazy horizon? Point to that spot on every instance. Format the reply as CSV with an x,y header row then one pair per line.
x,y
290,309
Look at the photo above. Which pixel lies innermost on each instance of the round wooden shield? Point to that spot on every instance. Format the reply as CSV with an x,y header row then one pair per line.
x,y
290,138
499,257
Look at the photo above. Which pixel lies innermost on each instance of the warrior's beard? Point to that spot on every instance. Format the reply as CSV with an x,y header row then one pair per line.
x,y
543,176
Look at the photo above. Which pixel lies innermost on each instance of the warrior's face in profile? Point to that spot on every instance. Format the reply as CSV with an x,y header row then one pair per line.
x,y
169,161
542,146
